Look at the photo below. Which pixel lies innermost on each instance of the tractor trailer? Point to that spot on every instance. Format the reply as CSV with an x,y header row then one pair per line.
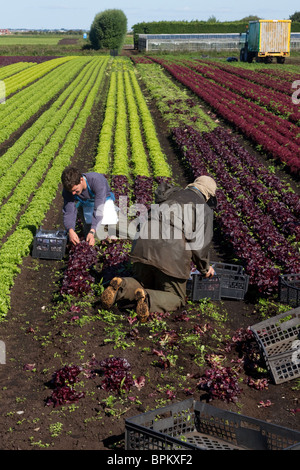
x,y
266,39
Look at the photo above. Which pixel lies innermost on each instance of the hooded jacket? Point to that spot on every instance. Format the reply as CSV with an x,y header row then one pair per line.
x,y
178,231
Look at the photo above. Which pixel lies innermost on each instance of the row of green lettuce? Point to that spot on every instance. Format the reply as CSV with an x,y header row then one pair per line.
x,y
74,112
128,147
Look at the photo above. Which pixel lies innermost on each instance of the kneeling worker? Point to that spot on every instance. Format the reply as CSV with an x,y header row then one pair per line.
x,y
177,232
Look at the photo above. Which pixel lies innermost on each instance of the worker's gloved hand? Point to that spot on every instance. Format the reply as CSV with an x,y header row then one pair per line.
x,y
73,237
210,272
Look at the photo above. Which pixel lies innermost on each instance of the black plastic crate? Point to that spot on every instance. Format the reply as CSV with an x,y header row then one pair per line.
x,y
279,340
229,282
234,282
49,244
195,425
289,289
199,287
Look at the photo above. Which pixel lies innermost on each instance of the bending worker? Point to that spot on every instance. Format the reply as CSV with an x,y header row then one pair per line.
x,y
177,232
89,196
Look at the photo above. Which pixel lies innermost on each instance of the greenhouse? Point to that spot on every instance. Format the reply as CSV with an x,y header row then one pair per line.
x,y
195,42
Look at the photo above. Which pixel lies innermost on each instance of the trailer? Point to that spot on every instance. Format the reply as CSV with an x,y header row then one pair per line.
x,y
265,40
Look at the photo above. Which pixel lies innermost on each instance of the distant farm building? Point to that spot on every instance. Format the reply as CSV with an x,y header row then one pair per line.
x,y
195,42
4,32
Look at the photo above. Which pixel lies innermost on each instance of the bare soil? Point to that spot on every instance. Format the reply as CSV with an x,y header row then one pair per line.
x,y
41,337
68,41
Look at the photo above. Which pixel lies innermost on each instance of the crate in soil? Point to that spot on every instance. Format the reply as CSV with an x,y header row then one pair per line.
x,y
49,244
289,289
279,340
195,425
230,282
200,287
234,282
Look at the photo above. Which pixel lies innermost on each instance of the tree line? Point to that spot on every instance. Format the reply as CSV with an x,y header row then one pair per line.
x,y
109,28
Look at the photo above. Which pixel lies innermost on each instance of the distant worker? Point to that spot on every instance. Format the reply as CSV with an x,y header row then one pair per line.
x,y
89,196
178,231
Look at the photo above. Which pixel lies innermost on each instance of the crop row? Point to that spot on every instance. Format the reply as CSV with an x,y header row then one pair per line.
x,y
34,138
209,148
259,176
25,173
287,76
277,102
256,77
222,84
282,143
257,213
138,152
128,136
20,80
24,105
11,69
17,244
128,144
175,105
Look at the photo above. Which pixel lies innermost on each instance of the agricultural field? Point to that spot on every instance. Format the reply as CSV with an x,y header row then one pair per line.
x,y
29,40
37,45
74,372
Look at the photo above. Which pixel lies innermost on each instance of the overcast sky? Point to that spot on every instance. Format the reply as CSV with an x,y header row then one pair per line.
x,y
79,14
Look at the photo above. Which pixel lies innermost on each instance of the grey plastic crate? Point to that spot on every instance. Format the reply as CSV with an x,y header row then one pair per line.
x,y
200,287
229,282
289,289
195,425
49,244
234,282
279,340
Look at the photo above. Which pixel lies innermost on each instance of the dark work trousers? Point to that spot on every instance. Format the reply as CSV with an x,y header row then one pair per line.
x,y
85,227
165,293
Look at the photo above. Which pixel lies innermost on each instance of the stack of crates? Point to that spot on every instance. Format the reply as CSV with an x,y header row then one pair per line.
x,y
229,282
279,341
289,289
49,244
196,425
